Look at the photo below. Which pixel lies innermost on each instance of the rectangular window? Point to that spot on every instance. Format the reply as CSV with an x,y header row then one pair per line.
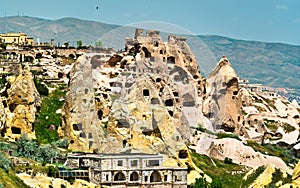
x,y
178,178
120,162
134,163
153,163
146,178
166,178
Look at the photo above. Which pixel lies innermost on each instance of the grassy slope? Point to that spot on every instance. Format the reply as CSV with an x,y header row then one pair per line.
x,y
10,180
221,171
48,116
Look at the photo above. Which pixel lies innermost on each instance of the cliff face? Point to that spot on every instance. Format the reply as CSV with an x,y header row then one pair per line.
x,y
151,97
80,123
22,100
222,102
146,99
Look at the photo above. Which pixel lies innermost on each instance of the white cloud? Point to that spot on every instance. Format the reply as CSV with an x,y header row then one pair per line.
x,y
281,7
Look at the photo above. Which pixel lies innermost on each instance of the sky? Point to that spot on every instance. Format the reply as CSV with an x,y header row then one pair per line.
x,y
259,20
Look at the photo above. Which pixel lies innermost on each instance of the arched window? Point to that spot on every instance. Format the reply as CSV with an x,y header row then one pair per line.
x,y
119,177
155,177
134,176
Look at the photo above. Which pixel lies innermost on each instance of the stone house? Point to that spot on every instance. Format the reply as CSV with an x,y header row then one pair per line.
x,y
125,170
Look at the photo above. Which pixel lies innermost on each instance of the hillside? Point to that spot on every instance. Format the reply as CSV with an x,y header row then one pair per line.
x,y
271,64
148,99
62,30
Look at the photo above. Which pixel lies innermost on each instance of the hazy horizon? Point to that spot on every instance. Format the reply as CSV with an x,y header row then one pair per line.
x,y
266,21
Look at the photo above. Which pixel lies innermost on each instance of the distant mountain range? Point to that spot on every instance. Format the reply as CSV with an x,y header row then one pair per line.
x,y
270,64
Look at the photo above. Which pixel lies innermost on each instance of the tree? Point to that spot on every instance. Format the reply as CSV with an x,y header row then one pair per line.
x,y
216,183
98,44
4,163
52,171
227,160
200,183
79,43
30,149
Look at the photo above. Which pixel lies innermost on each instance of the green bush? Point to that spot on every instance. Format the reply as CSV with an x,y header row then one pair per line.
x,y
41,87
216,183
52,171
271,124
226,135
227,160
62,143
4,146
5,163
277,175
200,183
252,177
288,128
200,128
30,149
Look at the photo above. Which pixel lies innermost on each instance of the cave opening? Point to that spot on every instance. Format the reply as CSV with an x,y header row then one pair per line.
x,y
169,102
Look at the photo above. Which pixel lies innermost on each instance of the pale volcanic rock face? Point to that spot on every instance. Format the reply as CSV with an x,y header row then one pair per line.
x,y
22,100
146,99
222,104
80,122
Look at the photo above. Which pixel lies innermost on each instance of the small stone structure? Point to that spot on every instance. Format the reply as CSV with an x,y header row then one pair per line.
x,y
125,170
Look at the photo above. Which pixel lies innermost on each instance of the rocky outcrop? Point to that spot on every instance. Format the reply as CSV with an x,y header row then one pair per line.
x,y
166,73
22,102
80,122
156,95
222,104
42,181
269,118
244,155
146,99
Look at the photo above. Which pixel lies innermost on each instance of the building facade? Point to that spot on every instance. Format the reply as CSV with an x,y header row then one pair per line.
x,y
125,170
16,38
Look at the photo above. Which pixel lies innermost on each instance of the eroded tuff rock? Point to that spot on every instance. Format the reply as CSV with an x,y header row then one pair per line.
x,y
244,155
157,93
80,122
269,118
22,100
43,181
222,104
147,98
